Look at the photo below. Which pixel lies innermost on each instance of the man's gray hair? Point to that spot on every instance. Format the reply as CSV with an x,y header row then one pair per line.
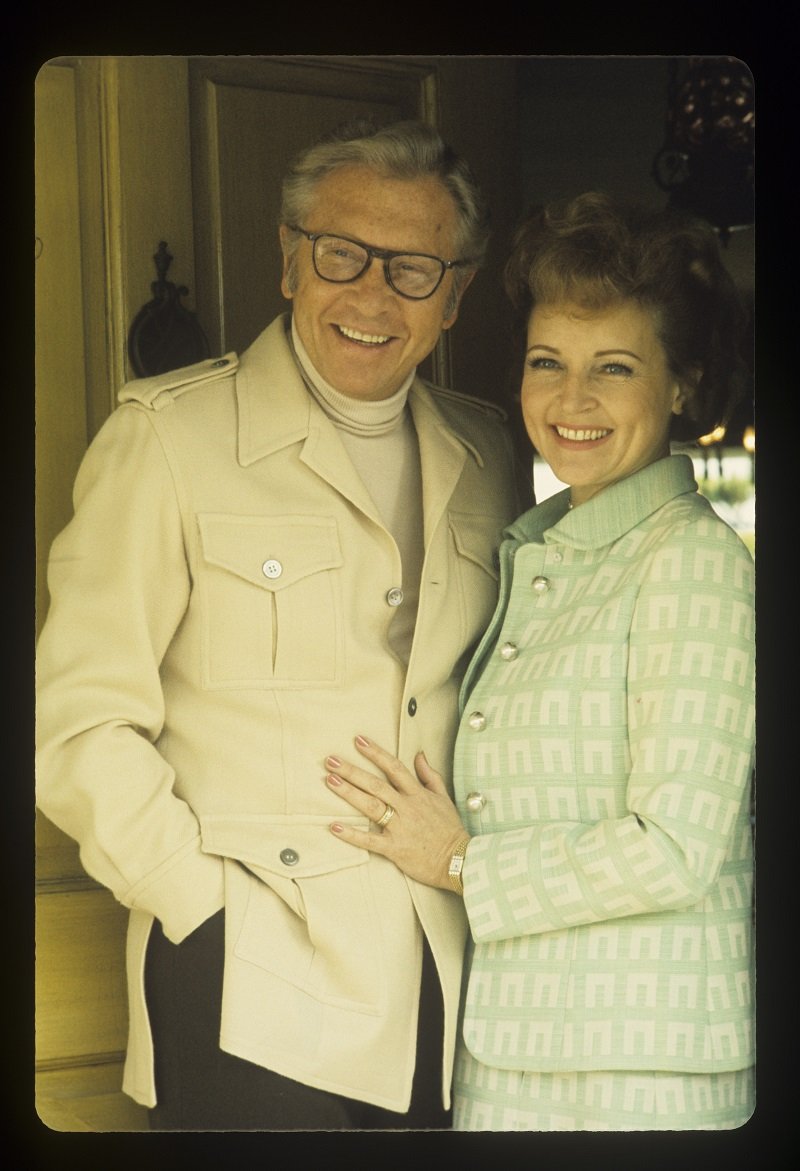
x,y
401,150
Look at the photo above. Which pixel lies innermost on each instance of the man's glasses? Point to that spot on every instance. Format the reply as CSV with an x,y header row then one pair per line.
x,y
411,274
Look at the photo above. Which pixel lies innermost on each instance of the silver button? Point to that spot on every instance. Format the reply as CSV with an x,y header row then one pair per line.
x,y
289,857
475,802
541,585
272,568
394,596
220,362
509,651
477,721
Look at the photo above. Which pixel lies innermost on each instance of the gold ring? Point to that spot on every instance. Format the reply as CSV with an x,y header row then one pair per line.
x,y
388,814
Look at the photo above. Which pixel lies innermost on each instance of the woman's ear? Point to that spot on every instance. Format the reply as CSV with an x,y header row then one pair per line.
x,y
685,391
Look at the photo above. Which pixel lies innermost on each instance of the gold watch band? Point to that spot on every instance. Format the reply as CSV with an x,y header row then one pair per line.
x,y
457,865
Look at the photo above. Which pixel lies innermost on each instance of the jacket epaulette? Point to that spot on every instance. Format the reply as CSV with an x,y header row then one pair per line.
x,y
467,400
160,389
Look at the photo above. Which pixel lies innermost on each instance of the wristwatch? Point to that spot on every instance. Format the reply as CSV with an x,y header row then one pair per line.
x,y
456,866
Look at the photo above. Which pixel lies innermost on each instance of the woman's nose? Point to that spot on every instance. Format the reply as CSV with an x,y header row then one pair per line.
x,y
576,391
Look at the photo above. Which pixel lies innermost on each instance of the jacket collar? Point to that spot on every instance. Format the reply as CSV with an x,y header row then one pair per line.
x,y
276,411
611,513
270,421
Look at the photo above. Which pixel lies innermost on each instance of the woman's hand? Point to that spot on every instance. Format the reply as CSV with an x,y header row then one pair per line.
x,y
421,833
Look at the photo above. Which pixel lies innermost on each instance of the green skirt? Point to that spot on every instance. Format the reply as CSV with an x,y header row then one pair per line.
x,y
486,1098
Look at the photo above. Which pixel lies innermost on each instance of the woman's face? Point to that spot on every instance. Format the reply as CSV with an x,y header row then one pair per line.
x,y
597,393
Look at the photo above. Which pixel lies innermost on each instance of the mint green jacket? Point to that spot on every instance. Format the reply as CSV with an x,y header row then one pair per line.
x,y
603,763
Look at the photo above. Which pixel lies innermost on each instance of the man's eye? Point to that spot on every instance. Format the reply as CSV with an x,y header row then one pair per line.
x,y
408,267
342,252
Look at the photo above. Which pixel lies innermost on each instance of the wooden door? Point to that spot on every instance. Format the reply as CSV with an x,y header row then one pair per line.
x,y
81,1014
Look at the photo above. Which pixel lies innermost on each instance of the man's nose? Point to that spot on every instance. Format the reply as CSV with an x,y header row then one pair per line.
x,y
372,284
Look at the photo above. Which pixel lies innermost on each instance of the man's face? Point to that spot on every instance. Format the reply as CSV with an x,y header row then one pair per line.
x,y
362,337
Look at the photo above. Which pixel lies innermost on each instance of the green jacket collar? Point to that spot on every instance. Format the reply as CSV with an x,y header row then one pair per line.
x,y
611,513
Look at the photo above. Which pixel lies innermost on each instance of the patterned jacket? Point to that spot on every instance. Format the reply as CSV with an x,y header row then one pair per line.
x,y
603,762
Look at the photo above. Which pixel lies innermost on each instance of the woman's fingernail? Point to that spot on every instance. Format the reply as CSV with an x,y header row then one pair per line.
x,y
336,828
333,762
333,780
362,741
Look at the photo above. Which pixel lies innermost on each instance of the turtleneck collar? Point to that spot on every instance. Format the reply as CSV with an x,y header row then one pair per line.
x,y
358,416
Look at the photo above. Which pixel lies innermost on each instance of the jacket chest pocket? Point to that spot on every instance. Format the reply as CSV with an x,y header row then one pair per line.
x,y
476,539
270,599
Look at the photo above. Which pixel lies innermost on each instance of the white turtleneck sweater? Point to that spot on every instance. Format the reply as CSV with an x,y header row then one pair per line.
x,y
381,441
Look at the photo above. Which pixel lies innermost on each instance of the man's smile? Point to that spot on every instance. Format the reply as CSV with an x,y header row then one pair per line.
x,y
367,339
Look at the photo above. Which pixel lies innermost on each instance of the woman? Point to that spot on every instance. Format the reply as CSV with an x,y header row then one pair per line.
x,y
601,825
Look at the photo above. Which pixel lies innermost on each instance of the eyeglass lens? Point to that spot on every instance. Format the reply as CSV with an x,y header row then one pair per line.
x,y
343,260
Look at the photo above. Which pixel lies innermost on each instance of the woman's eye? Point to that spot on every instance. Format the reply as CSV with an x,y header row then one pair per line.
x,y
542,363
618,368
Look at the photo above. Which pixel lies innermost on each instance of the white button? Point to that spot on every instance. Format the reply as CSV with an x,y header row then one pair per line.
x,y
475,802
541,585
558,556
477,721
508,651
272,568
394,596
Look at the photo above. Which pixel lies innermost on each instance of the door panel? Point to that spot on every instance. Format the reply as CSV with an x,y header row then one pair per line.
x,y
248,119
80,975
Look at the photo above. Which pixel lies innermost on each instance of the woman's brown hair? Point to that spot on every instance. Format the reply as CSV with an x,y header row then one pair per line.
x,y
594,250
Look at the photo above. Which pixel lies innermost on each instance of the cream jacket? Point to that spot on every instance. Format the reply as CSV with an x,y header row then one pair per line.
x,y
220,606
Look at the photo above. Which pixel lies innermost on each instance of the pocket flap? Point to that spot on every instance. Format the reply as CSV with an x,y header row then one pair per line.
x,y
271,552
477,537
288,846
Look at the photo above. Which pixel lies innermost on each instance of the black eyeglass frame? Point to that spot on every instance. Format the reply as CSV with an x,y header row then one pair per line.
x,y
384,254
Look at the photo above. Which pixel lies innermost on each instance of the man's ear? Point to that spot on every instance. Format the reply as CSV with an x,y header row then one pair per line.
x,y
466,281
287,275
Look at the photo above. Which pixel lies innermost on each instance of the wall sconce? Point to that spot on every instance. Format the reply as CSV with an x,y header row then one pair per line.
x,y
715,436
706,162
712,444
749,444
164,334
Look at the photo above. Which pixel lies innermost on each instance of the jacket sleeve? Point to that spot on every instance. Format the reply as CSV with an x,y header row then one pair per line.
x,y
119,585
690,733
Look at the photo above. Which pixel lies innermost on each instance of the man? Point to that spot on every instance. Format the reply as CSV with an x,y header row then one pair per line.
x,y
271,553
